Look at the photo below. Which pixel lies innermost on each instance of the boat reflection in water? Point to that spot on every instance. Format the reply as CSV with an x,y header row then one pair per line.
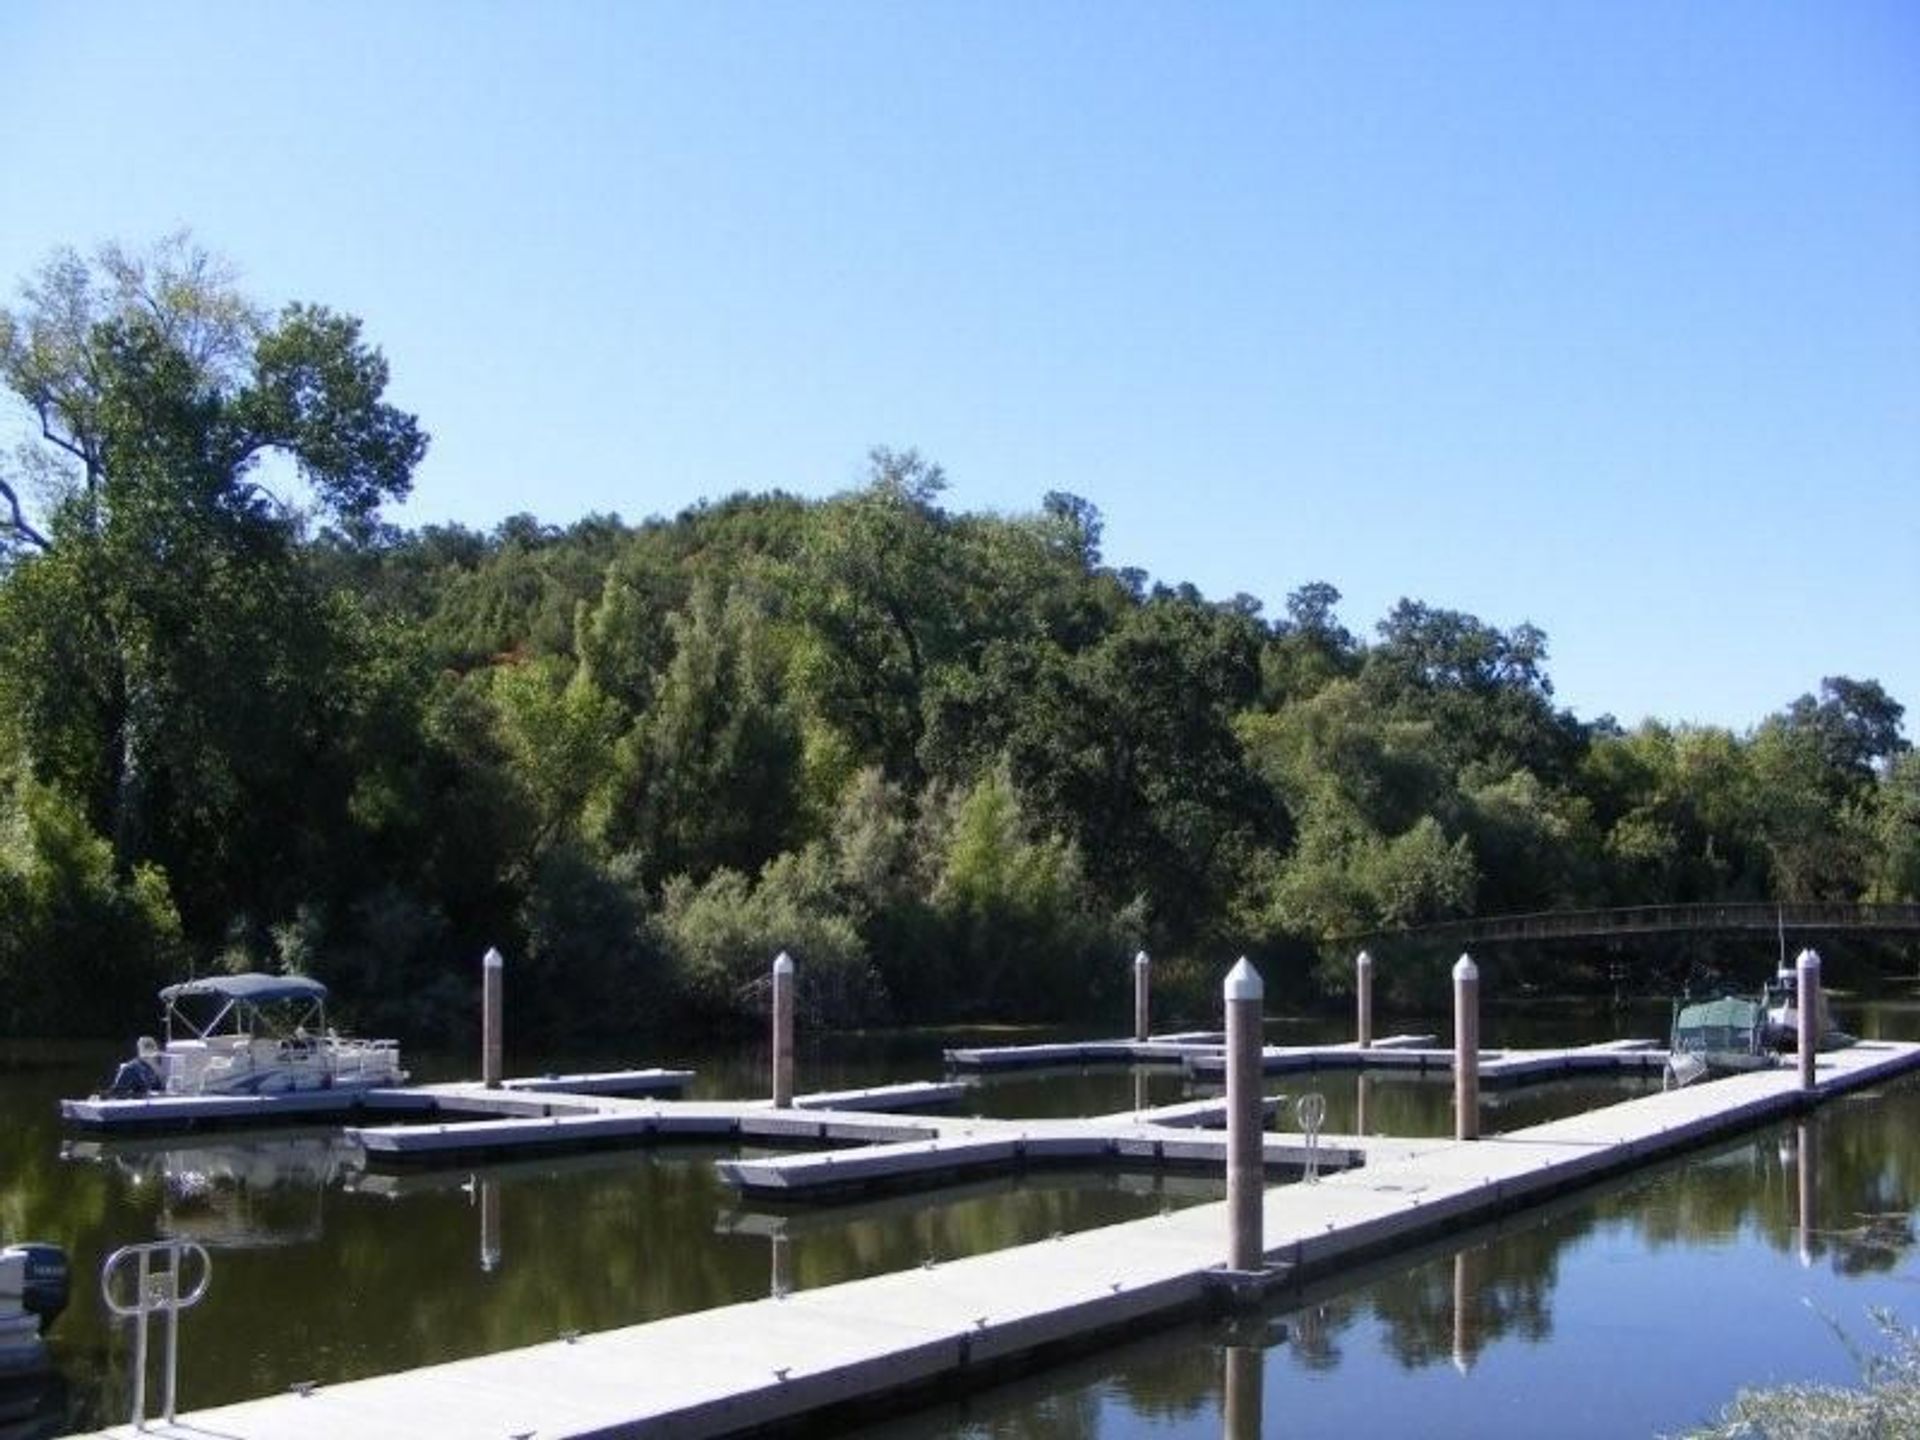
x,y
233,1193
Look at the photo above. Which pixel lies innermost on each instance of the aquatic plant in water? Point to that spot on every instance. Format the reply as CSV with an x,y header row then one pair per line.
x,y
1885,1405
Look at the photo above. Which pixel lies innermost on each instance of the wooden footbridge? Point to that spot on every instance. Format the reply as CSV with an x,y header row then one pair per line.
x,y
1709,919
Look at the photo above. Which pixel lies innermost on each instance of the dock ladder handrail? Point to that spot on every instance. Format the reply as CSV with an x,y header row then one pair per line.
x,y
157,1288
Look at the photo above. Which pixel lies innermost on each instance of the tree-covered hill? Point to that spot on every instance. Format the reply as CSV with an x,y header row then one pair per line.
x,y
959,764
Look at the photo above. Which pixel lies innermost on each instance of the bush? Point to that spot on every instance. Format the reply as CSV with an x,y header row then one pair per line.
x,y
82,949
1885,1405
720,937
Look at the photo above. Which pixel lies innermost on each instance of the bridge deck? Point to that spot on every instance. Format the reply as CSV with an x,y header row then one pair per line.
x,y
740,1366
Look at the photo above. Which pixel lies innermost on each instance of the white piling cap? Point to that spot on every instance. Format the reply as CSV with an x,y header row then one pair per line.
x,y
1363,960
783,964
1243,982
1140,961
1465,969
1809,960
493,959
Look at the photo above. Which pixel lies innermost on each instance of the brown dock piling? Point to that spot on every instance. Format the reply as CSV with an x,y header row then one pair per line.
x,y
1466,1049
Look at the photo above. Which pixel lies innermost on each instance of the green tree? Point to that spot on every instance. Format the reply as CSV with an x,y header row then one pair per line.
x,y
875,590
169,657
710,778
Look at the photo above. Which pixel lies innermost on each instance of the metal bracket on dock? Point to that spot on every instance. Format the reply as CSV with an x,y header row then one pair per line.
x,y
157,1290
1245,1289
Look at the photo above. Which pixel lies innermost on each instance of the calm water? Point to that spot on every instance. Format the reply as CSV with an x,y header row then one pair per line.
x,y
1634,1309
325,1271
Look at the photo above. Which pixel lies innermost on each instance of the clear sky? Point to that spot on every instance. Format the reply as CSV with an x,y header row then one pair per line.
x,y
1600,316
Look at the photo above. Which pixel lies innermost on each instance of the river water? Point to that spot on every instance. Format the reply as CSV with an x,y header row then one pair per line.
x,y
1633,1309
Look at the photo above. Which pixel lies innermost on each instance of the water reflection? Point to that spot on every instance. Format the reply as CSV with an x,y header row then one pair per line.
x,y
1717,1270
230,1193
490,1251
1765,1237
1245,1386
1807,1171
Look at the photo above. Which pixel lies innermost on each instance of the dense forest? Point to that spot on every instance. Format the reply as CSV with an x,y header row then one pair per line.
x,y
959,764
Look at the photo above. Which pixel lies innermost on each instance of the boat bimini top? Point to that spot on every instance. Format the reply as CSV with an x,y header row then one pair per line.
x,y
244,998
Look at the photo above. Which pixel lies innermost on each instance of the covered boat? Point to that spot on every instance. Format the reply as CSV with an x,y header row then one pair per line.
x,y
1718,1037
252,1035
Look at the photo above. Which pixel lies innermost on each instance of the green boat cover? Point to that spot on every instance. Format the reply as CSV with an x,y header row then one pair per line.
x,y
1729,1023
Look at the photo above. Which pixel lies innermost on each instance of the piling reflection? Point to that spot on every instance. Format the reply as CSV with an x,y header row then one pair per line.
x,y
1807,1171
1244,1382
490,1250
1467,1267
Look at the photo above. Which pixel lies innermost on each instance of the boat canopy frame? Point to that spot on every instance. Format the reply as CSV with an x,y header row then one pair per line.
x,y
280,1006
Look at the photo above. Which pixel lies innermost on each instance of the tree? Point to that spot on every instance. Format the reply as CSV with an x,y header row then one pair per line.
x,y
874,588
1857,725
710,778
155,372
168,656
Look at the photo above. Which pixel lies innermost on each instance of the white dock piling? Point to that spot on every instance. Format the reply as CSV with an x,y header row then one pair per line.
x,y
1807,1003
1466,1049
1363,994
782,1031
1142,987
492,977
1244,993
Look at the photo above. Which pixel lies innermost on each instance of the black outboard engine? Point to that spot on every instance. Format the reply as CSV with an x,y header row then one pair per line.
x,y
33,1290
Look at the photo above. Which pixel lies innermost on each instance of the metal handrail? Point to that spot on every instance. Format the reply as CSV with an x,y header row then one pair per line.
x,y
156,1290
1311,1111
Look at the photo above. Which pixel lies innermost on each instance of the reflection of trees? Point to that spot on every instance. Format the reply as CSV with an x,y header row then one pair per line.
x,y
1508,1292
1866,1168
1185,1384
1866,1159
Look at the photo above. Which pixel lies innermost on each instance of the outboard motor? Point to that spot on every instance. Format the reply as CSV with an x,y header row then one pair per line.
x,y
49,1280
39,1270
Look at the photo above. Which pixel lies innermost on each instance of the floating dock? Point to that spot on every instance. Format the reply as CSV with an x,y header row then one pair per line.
x,y
1169,1137
1419,1054
818,1355
1202,1056
1157,1050
295,1107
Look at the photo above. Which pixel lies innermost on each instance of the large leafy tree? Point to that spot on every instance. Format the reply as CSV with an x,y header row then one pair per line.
x,y
167,651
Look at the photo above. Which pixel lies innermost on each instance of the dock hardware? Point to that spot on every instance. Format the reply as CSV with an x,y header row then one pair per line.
x,y
157,1289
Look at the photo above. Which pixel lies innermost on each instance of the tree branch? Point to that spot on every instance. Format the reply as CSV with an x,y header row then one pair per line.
x,y
19,522
72,447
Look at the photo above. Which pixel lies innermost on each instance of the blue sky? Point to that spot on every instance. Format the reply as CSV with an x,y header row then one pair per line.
x,y
1600,316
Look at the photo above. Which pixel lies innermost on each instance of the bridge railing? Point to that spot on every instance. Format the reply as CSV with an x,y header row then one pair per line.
x,y
1663,919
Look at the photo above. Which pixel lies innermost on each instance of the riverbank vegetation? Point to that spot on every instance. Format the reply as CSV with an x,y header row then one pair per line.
x,y
961,764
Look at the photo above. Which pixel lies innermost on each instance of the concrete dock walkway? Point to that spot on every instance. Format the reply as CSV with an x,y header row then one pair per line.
x,y
800,1356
